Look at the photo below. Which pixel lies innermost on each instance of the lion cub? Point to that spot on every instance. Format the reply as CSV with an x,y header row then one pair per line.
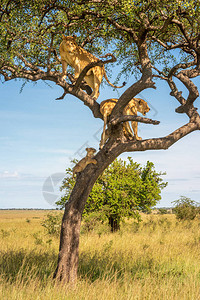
x,y
88,159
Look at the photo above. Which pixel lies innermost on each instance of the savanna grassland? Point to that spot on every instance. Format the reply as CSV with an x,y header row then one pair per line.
x,y
156,259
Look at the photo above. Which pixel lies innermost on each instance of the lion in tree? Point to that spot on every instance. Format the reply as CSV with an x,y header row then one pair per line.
x,y
78,58
134,106
88,159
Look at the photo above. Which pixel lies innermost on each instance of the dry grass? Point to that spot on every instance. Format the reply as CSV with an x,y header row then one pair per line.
x,y
157,259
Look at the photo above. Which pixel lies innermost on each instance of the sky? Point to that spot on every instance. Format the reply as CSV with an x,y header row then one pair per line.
x,y
39,136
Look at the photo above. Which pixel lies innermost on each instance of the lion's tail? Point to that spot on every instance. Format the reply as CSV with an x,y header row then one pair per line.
x,y
105,75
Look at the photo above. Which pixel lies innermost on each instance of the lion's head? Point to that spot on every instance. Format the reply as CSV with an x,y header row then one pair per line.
x,y
90,151
70,44
141,106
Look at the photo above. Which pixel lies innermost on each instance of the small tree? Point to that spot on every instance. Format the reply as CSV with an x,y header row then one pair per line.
x,y
52,223
121,191
185,208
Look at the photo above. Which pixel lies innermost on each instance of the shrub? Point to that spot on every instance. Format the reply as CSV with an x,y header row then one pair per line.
x,y
38,239
52,223
163,211
94,221
185,208
4,233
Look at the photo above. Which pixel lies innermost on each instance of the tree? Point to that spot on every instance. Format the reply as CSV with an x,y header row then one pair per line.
x,y
185,208
152,39
121,191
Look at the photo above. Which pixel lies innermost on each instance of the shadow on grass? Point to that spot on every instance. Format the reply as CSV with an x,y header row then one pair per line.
x,y
16,266
21,264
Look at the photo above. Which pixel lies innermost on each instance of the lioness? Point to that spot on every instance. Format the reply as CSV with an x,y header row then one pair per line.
x,y
88,159
78,58
135,105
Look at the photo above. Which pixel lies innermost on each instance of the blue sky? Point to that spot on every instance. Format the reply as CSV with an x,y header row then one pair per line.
x,y
39,136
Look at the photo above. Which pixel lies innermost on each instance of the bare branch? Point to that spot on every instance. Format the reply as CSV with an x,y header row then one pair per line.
x,y
183,31
26,63
175,93
161,75
126,118
63,96
184,76
181,66
84,86
173,46
192,88
164,142
166,22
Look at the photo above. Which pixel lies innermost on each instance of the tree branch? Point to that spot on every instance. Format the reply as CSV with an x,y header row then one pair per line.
x,y
173,46
108,19
181,66
164,142
183,31
126,118
69,89
54,77
184,76
144,83
26,63
49,53
99,63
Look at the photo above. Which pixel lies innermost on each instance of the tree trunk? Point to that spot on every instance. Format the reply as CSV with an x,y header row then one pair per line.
x,y
114,222
67,267
70,230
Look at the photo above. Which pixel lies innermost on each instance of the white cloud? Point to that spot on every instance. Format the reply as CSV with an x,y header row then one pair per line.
x,y
7,174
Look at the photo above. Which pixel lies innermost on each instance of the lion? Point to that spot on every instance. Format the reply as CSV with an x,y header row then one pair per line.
x,y
78,58
135,105
88,159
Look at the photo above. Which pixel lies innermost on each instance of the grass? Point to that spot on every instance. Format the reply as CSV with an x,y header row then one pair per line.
x,y
156,259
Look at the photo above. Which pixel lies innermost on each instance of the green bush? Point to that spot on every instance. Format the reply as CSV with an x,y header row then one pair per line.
x,y
185,208
163,211
52,223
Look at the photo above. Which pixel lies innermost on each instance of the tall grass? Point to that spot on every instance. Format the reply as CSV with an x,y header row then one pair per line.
x,y
156,259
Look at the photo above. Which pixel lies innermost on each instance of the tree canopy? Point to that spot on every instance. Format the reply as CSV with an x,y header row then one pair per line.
x,y
124,189
151,39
